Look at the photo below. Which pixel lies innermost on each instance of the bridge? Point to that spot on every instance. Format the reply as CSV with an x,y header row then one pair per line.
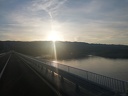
x,y
22,75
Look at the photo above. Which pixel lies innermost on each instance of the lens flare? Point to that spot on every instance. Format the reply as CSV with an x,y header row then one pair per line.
x,y
55,53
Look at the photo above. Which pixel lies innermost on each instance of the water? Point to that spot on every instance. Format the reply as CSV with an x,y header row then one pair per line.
x,y
116,68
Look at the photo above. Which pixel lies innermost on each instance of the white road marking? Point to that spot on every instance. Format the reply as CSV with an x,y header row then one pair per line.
x,y
4,67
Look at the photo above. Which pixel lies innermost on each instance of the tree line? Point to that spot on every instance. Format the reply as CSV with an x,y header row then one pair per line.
x,y
65,50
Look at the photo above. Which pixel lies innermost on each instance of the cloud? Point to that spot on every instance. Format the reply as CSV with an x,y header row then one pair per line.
x,y
49,6
95,21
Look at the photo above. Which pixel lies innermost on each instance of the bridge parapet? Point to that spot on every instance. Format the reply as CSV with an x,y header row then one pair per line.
x,y
100,80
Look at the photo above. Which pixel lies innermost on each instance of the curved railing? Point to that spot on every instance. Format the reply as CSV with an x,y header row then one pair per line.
x,y
104,81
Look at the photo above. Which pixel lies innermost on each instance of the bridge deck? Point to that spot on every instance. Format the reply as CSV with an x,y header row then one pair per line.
x,y
19,80
25,75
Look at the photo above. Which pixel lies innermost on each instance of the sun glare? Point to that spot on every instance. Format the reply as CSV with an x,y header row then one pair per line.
x,y
54,36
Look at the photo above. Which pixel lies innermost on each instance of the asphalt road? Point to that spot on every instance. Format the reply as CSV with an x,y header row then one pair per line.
x,y
19,80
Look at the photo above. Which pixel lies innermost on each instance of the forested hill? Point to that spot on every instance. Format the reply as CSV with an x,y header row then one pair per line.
x,y
65,50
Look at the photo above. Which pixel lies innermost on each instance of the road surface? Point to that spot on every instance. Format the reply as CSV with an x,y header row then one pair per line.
x,y
19,80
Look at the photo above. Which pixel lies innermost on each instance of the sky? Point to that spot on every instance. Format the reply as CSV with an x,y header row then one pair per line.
x,y
92,21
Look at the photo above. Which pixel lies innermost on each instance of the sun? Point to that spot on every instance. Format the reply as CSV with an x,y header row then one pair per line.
x,y
54,36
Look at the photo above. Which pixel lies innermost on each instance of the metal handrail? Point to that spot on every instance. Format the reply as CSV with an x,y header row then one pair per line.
x,y
108,82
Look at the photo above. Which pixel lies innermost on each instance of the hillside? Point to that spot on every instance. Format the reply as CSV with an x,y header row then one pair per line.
x,y
65,50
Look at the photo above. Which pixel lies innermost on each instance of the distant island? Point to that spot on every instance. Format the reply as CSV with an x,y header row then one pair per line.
x,y
65,50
